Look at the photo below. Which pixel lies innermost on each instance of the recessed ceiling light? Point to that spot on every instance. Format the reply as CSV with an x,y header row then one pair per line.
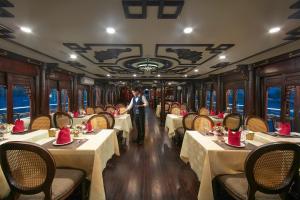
x,y
158,75
274,30
188,30
108,75
196,70
185,75
222,57
169,83
110,30
134,75
73,56
25,29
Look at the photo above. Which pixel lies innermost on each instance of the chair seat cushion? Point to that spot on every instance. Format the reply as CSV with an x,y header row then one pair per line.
x,y
64,182
237,185
180,131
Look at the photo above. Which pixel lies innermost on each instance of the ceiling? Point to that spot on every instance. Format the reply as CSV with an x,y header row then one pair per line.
x,y
151,44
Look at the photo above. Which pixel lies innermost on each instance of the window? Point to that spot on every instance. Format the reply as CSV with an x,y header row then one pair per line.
x,y
85,98
3,104
53,100
273,101
214,101
80,99
240,101
207,99
64,100
229,100
290,101
21,102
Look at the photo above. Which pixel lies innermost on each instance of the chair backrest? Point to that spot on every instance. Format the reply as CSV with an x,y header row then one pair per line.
x,y
28,168
203,123
99,122
98,109
110,108
62,119
122,109
232,121
110,118
203,111
120,105
272,168
183,107
256,124
175,110
40,122
90,111
188,121
175,104
167,107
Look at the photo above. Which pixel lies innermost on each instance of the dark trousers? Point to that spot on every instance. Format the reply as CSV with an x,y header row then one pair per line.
x,y
140,125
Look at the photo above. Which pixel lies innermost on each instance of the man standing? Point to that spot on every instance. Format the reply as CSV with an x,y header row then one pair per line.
x,y
138,104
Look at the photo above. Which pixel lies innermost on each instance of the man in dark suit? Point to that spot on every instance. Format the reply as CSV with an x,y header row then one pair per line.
x,y
138,104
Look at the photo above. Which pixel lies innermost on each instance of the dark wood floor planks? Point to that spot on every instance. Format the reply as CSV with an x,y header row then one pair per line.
x,y
152,171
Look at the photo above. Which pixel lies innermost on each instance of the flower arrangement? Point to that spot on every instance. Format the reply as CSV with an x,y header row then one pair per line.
x,y
218,130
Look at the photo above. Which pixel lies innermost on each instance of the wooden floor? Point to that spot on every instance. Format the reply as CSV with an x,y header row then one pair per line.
x,y
150,171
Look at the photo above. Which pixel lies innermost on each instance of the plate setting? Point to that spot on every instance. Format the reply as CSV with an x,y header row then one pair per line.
x,y
55,144
243,145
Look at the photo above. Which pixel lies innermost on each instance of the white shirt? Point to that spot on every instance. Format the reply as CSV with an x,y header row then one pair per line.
x,y
136,99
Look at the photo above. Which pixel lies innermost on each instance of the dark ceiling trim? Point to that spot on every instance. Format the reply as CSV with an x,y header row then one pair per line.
x,y
4,12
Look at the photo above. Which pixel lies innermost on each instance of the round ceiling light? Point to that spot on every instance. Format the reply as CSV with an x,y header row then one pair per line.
x,y
25,29
110,30
188,30
274,30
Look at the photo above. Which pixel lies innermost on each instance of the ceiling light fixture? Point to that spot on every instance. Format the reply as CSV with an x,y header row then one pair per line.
x,y
222,57
185,75
108,75
134,75
196,70
188,30
25,29
110,30
73,56
274,30
158,75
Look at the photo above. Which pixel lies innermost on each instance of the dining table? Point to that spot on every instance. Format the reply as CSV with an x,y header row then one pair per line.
x,y
210,157
172,123
89,152
123,123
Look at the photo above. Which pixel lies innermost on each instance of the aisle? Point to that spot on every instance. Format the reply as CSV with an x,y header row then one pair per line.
x,y
150,171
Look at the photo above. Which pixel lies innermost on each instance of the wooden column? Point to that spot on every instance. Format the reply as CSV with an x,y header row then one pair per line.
x,y
251,92
219,95
258,90
75,93
162,110
9,98
44,95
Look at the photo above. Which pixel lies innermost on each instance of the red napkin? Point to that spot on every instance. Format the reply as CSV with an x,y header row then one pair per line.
x,y
234,138
89,127
64,136
19,126
219,124
285,128
212,113
221,115
76,114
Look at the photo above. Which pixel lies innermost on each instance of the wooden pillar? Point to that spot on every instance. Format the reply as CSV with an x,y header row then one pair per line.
x,y
162,110
75,93
251,92
219,95
9,99
192,96
258,100
44,95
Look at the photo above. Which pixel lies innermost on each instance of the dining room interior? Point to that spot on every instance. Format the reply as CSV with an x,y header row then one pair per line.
x,y
150,99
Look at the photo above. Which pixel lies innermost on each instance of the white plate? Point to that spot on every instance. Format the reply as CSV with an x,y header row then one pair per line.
x,y
55,144
25,130
242,145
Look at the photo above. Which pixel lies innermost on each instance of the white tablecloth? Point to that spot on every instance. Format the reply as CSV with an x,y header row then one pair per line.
x,y
81,119
90,157
172,123
208,159
123,123
216,119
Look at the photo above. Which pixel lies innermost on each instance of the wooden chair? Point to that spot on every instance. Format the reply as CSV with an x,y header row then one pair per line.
x,y
175,110
62,119
90,111
203,111
31,173
109,108
110,118
98,109
120,105
183,107
256,124
232,121
175,104
40,122
122,109
99,122
270,170
187,122
203,123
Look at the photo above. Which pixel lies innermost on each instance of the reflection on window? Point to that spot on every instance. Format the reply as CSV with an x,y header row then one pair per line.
x,y
207,99
53,100
3,104
240,100
85,98
229,100
214,101
21,102
273,101
64,100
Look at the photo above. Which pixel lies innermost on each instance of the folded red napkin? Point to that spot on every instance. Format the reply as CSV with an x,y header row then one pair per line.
x,y
234,138
64,136
19,126
219,124
285,128
75,114
221,115
89,126
212,112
